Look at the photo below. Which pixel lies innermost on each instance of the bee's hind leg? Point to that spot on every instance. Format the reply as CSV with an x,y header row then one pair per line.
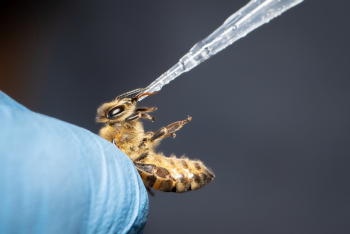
x,y
169,130
142,156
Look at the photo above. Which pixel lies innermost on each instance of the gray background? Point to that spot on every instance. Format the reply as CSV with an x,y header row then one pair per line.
x,y
270,113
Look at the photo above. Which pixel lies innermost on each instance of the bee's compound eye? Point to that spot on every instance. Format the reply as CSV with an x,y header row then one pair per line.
x,y
115,111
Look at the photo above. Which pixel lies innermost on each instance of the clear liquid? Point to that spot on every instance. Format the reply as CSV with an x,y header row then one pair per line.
x,y
238,25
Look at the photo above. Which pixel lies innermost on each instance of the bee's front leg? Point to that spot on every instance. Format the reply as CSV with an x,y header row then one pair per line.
x,y
134,116
145,109
137,115
147,116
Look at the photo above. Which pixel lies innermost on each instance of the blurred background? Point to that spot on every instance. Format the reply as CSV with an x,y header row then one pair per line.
x,y
270,113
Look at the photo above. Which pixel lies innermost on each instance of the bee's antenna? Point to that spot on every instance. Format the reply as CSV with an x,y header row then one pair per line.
x,y
130,93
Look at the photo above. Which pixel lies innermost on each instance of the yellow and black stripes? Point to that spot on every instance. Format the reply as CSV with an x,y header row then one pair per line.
x,y
155,177
173,174
124,129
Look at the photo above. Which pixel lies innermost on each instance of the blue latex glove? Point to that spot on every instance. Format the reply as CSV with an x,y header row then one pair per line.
x,y
58,178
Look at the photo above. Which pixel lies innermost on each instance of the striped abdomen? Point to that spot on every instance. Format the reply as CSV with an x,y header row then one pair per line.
x,y
173,174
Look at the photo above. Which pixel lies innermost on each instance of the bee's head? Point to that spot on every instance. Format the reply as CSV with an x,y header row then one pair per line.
x,y
121,108
117,110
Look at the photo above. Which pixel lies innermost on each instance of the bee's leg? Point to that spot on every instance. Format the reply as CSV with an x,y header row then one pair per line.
x,y
147,116
169,130
173,135
145,109
137,115
142,156
133,117
159,134
149,134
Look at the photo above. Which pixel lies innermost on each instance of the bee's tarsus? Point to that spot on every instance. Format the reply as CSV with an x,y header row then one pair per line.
x,y
147,116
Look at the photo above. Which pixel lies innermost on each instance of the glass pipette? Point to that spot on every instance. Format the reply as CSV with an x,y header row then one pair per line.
x,y
248,18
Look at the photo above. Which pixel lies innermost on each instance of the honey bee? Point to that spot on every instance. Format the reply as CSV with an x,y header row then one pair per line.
x,y
124,129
